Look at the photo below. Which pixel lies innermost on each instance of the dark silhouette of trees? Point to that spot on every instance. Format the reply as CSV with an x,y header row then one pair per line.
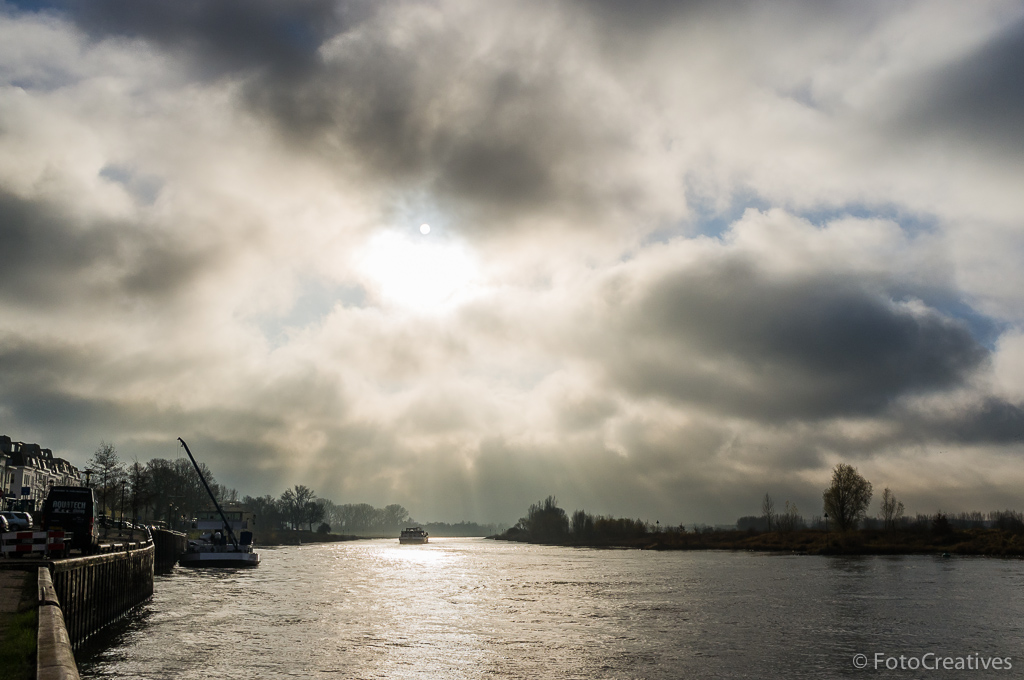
x,y
892,510
298,504
461,529
173,491
789,519
354,518
941,525
614,528
107,473
363,518
847,499
1007,520
968,520
265,510
582,525
768,510
394,517
314,513
545,522
139,489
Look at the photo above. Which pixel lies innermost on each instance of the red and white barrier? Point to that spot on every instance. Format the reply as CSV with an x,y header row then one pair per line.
x,y
32,541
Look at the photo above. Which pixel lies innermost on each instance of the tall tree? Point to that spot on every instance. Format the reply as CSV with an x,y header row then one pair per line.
x,y
582,524
789,519
355,517
314,513
847,499
394,518
304,497
107,473
175,492
193,496
266,511
768,510
545,521
296,504
891,511
138,489
289,508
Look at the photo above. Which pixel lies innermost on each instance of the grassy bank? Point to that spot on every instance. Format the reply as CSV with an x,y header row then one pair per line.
x,y
991,542
18,643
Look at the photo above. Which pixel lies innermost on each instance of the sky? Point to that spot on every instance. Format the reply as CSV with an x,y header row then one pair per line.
x,y
654,258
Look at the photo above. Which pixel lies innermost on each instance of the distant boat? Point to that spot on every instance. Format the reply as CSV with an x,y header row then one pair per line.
x,y
413,535
221,549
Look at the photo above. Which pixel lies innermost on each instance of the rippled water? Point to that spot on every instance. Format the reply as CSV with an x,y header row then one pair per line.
x,y
470,608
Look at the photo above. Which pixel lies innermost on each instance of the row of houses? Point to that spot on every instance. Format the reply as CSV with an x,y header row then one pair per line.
x,y
27,471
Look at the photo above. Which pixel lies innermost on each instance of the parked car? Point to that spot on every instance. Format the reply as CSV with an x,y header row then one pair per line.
x,y
4,526
18,521
72,508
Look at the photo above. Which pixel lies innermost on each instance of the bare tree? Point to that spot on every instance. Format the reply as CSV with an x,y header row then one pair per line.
x,y
108,471
393,518
892,510
847,499
289,508
138,489
768,510
297,503
314,513
790,519
582,524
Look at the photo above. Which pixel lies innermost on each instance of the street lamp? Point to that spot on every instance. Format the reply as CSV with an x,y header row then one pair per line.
x,y
828,540
123,482
88,473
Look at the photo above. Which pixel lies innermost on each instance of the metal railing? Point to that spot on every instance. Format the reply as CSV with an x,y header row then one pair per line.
x,y
97,590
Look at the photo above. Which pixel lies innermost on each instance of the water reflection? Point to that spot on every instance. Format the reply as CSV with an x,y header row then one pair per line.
x,y
461,608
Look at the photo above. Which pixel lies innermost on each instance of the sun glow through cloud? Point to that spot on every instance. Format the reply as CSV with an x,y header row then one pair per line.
x,y
422,275
655,259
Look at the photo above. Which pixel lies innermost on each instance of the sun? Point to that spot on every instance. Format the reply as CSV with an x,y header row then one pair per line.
x,y
422,274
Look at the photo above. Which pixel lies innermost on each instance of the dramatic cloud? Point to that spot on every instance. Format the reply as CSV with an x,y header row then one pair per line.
x,y
679,254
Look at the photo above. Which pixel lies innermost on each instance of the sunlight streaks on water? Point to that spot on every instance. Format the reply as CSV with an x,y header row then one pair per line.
x,y
469,608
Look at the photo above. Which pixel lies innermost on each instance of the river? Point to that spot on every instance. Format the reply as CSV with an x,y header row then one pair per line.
x,y
473,608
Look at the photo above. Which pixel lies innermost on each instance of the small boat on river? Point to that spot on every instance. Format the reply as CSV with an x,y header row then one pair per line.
x,y
221,548
413,535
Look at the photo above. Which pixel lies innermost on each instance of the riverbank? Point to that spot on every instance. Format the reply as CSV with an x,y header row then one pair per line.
x,y
988,542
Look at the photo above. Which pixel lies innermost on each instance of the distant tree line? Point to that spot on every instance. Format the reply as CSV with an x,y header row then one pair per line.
x,y
299,508
170,491
462,529
296,508
845,504
160,490
545,522
365,519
